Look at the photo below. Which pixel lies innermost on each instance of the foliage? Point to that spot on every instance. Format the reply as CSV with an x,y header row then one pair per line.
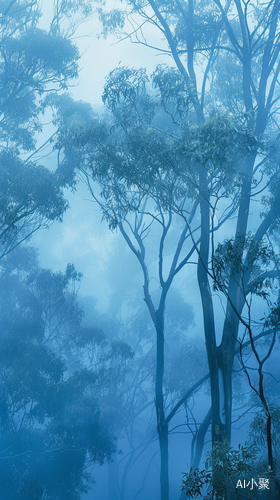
x,y
226,466
250,259
51,424
32,62
139,150
258,428
29,198
194,482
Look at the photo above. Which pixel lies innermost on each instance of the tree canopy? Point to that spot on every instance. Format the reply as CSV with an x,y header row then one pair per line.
x,y
33,62
50,417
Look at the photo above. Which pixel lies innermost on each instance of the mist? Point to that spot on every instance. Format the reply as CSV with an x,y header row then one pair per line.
x,y
139,245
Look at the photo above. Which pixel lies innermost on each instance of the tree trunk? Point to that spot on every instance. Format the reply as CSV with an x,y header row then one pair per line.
x,y
162,426
164,473
216,378
113,479
200,440
236,298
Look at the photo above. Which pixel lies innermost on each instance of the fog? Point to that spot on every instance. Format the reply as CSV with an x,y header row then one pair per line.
x,y
140,209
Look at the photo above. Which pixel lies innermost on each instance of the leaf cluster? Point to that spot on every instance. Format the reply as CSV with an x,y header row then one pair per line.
x,y
247,260
33,61
224,467
140,150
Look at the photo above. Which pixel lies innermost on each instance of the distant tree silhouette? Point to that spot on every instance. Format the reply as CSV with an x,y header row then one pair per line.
x,y
51,427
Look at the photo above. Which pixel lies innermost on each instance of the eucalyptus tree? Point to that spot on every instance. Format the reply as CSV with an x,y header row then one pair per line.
x,y
33,62
227,54
137,158
50,417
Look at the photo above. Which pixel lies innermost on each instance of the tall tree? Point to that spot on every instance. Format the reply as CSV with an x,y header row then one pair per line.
x,y
51,425
136,163
33,62
228,56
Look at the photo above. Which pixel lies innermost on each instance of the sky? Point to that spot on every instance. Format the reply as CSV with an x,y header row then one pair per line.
x,y
99,56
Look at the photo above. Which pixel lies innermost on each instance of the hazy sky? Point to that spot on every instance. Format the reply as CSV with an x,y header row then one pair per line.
x,y
99,56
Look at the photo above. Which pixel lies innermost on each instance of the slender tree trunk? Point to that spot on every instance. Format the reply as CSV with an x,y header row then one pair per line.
x,y
236,298
164,473
113,479
218,427
200,439
198,446
217,380
162,426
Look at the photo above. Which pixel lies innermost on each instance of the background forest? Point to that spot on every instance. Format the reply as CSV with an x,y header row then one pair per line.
x,y
139,245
